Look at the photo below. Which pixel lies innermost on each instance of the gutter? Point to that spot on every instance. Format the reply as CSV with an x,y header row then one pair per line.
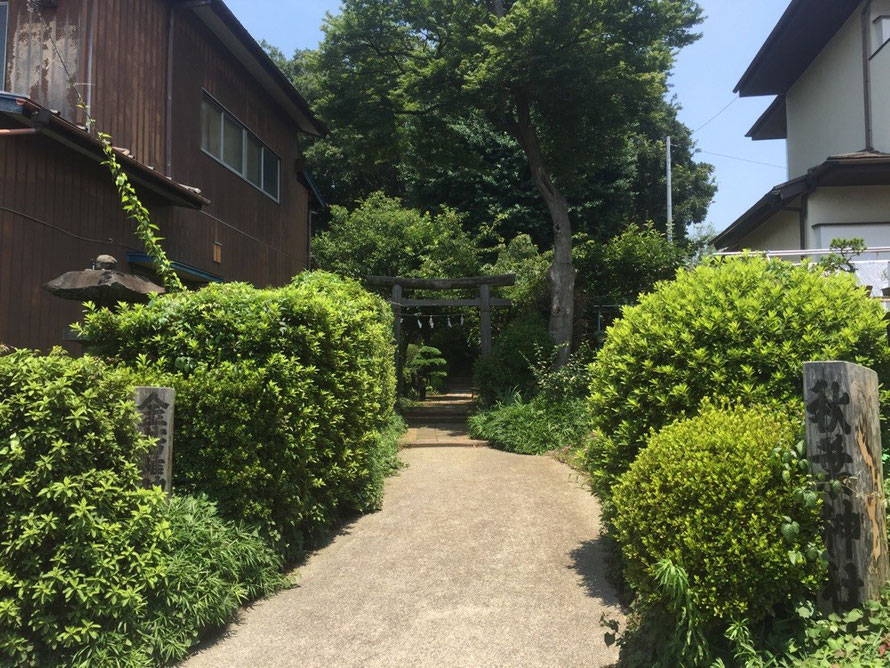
x,y
41,120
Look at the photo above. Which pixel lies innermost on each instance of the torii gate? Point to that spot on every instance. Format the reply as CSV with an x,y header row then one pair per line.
x,y
484,301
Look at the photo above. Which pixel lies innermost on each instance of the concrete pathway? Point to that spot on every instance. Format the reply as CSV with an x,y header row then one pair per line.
x,y
478,558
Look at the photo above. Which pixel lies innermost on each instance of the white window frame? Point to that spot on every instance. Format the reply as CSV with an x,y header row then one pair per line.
x,y
245,133
881,31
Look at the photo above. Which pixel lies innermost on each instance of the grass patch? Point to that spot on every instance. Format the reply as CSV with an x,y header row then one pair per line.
x,y
533,427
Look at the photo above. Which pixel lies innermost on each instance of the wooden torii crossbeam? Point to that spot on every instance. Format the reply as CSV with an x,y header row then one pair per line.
x,y
483,302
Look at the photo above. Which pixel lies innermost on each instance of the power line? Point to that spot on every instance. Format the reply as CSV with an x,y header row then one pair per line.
x,y
754,162
714,117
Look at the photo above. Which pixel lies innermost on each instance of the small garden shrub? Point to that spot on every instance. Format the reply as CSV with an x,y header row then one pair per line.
x,y
737,328
94,570
282,396
513,354
716,507
424,370
211,568
532,428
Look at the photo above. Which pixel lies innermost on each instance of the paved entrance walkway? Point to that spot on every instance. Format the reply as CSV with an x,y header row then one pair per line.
x,y
478,558
441,421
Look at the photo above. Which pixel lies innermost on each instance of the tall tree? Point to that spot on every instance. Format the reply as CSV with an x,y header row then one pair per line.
x,y
566,80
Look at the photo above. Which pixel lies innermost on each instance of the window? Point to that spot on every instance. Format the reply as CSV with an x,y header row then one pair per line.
x,y
881,31
4,17
227,140
211,129
254,161
233,144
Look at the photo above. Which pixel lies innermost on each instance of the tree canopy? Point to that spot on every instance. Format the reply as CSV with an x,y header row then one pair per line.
x,y
380,237
478,104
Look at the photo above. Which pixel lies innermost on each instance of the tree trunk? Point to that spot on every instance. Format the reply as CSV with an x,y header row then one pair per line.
x,y
562,271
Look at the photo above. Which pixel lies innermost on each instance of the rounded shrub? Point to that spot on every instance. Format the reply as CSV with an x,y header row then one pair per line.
x,y
739,328
721,497
282,396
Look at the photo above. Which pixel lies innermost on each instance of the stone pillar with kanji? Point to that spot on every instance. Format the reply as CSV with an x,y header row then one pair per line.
x,y
155,408
844,448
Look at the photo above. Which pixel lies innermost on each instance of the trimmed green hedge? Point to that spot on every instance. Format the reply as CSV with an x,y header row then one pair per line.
x,y
739,328
717,525
710,494
282,396
94,570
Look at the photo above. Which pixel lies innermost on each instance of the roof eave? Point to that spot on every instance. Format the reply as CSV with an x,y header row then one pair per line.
x,y
765,208
773,122
803,30
70,135
220,20
857,169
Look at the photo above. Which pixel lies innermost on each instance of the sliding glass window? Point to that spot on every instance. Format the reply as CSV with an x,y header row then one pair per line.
x,y
227,140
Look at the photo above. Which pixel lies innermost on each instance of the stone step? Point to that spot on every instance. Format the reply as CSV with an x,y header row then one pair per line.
x,y
467,443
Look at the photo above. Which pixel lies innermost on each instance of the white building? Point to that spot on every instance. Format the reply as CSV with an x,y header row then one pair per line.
x,y
827,62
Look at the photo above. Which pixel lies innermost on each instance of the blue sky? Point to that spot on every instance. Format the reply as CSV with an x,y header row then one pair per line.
x,y
703,79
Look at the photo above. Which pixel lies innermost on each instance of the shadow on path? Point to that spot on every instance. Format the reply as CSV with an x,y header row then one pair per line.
x,y
589,560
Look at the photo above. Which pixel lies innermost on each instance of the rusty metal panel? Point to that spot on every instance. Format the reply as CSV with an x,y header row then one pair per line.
x,y
44,54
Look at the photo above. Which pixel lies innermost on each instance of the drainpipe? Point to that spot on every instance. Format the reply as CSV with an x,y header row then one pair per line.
x,y
169,128
866,73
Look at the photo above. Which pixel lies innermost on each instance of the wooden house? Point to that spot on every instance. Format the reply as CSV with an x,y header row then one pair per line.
x,y
204,123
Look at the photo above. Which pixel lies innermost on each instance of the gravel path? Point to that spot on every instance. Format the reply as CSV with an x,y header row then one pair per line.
x,y
478,558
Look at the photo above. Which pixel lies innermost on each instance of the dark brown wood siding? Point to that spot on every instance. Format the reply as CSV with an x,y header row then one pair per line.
x,y
66,209
271,235
58,211
130,68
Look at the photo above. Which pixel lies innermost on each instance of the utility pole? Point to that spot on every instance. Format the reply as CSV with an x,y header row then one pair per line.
x,y
670,195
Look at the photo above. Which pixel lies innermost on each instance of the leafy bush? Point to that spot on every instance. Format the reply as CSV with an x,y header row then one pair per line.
x,y
532,428
860,637
93,569
521,257
211,568
717,507
738,328
570,381
282,395
556,417
380,237
513,354
626,266
79,541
